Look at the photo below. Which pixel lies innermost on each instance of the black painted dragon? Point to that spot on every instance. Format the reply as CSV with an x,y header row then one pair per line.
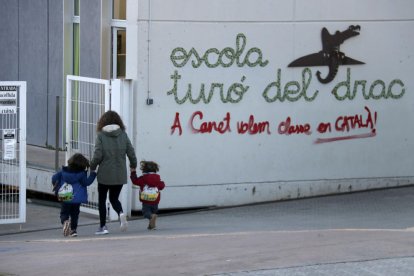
x,y
330,55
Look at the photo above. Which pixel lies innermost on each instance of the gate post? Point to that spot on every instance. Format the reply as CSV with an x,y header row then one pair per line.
x,y
122,103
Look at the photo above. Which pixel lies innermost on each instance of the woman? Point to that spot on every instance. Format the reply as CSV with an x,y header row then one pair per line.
x,y
111,148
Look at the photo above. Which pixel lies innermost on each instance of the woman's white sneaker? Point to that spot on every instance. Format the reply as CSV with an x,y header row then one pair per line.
x,y
124,222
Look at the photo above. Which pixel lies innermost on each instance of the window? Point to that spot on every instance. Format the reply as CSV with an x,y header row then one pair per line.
x,y
118,39
119,50
119,9
76,7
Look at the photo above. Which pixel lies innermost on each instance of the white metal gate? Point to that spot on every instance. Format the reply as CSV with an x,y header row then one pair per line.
x,y
86,100
13,152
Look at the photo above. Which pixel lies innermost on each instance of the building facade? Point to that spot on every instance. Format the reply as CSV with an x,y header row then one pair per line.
x,y
238,101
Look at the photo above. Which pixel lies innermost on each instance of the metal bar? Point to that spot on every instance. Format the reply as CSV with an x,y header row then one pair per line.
x,y
57,134
22,153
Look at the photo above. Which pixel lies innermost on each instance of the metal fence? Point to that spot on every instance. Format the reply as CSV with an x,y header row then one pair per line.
x,y
12,152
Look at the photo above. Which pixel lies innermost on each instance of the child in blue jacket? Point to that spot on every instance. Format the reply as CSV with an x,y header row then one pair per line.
x,y
73,179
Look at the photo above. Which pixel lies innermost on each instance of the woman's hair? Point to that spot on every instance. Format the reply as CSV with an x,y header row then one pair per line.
x,y
78,162
109,118
149,166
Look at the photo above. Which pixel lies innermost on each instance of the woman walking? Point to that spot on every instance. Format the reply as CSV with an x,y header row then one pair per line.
x,y
112,146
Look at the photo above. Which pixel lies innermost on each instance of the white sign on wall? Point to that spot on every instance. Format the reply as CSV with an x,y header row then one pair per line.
x,y
9,144
8,99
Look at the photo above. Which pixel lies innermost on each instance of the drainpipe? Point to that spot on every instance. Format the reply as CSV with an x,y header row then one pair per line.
x,y
149,99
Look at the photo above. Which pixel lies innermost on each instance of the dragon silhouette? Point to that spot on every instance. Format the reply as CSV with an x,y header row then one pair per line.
x,y
330,55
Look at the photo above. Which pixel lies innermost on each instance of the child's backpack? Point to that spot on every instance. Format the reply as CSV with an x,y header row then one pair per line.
x,y
65,192
149,193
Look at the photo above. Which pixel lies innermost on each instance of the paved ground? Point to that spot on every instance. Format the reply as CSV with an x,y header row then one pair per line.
x,y
369,233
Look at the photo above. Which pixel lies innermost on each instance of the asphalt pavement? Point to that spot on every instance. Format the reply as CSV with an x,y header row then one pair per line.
x,y
366,233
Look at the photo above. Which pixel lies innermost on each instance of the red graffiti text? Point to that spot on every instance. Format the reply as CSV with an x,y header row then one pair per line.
x,y
346,123
252,127
199,126
288,129
349,123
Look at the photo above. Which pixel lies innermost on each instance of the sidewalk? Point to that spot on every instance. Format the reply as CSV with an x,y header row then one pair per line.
x,y
368,233
42,216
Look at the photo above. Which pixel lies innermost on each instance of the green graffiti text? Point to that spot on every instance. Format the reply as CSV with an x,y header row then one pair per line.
x,y
292,91
234,93
213,57
377,90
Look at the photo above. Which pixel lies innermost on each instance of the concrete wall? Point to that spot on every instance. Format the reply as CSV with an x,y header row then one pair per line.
x,y
241,166
9,40
31,50
90,38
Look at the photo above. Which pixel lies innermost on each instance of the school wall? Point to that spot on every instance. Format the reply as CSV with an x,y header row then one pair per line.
x,y
347,142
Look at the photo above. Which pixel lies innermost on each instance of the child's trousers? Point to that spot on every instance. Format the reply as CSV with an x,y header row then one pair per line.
x,y
70,210
149,209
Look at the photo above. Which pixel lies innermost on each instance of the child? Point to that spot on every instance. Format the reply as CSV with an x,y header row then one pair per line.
x,y
150,184
74,179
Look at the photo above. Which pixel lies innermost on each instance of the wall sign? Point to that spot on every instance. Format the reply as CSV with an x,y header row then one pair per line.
x,y
9,144
8,99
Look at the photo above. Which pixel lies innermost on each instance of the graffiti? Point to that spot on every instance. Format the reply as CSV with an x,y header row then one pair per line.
x,y
234,93
292,91
287,128
224,58
209,126
343,124
349,123
376,86
253,127
233,90
177,125
346,123
343,138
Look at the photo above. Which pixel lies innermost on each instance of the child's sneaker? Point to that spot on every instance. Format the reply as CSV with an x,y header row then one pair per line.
x,y
73,233
102,231
66,228
124,222
151,225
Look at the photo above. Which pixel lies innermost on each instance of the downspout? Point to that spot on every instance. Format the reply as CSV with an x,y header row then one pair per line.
x,y
149,99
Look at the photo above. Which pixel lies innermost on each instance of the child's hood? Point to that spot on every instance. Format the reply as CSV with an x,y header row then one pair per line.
x,y
152,176
152,179
72,176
